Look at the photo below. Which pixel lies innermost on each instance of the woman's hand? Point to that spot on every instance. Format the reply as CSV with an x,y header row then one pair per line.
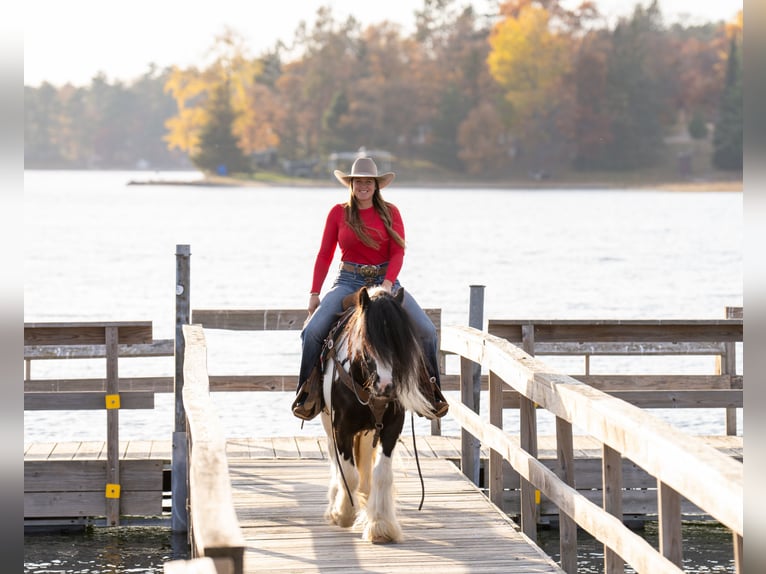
x,y
313,303
387,285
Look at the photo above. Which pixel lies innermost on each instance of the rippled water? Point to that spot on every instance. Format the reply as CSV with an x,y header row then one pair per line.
x,y
119,550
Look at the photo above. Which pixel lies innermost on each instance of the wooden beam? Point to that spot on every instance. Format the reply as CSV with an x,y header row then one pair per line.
x,y
720,398
214,529
88,475
587,330
265,319
159,348
204,565
86,333
78,401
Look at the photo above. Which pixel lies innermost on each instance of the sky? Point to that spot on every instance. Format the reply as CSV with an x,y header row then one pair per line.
x,y
72,41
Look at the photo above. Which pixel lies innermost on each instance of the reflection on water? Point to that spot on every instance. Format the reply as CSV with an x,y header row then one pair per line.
x,y
707,547
120,550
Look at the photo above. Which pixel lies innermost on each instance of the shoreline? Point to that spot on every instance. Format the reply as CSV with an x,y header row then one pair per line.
x,y
679,186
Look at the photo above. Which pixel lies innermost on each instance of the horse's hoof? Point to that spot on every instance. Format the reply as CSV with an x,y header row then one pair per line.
x,y
383,540
339,519
376,536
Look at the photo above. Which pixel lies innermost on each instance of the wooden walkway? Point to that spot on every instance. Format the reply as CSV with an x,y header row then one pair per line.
x,y
280,506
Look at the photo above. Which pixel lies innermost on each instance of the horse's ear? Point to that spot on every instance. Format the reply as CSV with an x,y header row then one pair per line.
x,y
364,298
399,295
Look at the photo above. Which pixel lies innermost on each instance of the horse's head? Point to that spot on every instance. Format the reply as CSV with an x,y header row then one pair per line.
x,y
385,354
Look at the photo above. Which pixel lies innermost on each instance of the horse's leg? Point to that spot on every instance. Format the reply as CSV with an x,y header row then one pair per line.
x,y
335,480
342,508
381,524
365,456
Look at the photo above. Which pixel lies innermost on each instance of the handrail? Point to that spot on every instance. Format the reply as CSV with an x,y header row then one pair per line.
x,y
213,527
683,463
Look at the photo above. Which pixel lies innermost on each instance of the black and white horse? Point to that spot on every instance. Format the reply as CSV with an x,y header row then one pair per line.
x,y
371,379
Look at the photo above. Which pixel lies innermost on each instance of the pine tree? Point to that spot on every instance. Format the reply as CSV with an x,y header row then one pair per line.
x,y
727,139
218,150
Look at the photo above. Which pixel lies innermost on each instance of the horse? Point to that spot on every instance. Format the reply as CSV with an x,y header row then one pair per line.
x,y
372,374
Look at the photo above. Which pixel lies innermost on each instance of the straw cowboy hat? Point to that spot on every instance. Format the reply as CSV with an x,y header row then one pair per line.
x,y
365,167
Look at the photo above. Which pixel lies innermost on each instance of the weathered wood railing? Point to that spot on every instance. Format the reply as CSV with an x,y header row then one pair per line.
x,y
683,465
278,320
213,527
600,338
87,488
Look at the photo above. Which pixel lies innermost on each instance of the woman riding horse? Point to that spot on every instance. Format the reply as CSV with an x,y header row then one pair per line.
x,y
370,233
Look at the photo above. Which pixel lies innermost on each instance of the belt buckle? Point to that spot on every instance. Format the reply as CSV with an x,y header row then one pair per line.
x,y
368,271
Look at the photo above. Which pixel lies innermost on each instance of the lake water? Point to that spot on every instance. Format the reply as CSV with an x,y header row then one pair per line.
x,y
98,249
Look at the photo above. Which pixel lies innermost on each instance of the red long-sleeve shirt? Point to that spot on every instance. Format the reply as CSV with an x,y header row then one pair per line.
x,y
337,233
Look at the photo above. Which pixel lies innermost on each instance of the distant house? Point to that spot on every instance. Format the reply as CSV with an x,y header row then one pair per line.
x,y
343,160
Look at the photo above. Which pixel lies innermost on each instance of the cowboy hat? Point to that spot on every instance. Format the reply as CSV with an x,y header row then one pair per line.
x,y
365,167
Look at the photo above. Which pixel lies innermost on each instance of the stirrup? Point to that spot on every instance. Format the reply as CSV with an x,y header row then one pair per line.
x,y
308,400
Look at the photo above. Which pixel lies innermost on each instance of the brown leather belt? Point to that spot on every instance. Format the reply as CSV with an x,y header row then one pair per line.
x,y
367,271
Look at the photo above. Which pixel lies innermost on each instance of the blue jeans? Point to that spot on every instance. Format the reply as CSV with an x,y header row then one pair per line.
x,y
318,327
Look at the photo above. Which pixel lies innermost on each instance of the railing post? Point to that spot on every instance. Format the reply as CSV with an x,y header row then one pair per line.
x,y
112,492
470,388
611,473
179,519
727,365
530,496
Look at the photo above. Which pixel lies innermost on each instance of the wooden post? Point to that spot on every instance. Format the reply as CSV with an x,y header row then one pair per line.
x,y
669,510
112,486
179,518
611,476
495,470
566,472
476,320
468,461
528,441
727,365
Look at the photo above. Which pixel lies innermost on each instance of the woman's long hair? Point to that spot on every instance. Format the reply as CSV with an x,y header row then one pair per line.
x,y
354,220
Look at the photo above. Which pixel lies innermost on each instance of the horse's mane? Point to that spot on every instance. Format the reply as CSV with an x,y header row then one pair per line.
x,y
382,328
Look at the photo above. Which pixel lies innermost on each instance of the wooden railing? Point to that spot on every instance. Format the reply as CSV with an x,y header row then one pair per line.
x,y
601,338
280,320
85,488
213,527
683,465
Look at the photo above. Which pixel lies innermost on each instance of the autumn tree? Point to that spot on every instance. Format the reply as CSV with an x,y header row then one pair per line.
x,y
252,104
531,59
218,150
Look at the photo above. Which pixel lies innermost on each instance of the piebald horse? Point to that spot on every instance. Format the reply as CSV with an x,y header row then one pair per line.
x,y
371,379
